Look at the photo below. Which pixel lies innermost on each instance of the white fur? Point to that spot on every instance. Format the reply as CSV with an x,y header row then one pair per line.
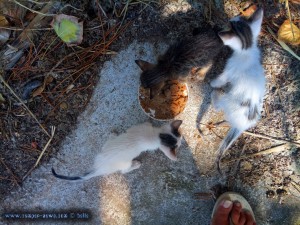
x,y
246,76
118,152
234,42
256,23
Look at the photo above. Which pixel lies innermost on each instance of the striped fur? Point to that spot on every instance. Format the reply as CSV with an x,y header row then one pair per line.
x,y
180,58
243,31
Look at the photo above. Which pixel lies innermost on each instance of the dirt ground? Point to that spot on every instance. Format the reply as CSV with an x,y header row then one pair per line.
x,y
275,174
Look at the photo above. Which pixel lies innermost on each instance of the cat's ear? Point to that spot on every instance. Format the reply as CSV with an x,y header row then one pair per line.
x,y
256,21
230,39
226,35
176,124
144,65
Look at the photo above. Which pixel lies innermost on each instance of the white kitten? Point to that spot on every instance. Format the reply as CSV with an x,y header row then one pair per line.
x,y
118,153
244,75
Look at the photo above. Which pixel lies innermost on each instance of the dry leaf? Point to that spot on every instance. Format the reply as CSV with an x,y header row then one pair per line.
x,y
249,11
40,90
63,106
29,87
69,88
284,45
3,21
48,80
295,1
4,34
13,10
285,33
2,100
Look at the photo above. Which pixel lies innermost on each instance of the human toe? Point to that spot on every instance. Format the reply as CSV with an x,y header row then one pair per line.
x,y
249,219
222,213
236,212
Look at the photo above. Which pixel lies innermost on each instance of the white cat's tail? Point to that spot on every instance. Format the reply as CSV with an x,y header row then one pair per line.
x,y
75,178
231,136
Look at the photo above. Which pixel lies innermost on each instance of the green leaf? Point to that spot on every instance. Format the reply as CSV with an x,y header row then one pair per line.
x,y
68,29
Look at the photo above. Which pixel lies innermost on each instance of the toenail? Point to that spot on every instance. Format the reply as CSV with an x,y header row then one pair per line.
x,y
237,204
226,204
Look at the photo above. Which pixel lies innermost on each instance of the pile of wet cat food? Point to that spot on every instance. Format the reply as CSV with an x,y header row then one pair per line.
x,y
169,103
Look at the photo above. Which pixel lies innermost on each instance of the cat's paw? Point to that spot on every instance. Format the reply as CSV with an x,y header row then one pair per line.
x,y
219,82
214,83
113,135
135,164
215,100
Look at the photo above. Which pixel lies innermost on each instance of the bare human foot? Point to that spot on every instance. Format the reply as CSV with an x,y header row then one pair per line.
x,y
227,210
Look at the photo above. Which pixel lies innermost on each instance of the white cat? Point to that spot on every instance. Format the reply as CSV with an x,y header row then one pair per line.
x,y
244,74
118,152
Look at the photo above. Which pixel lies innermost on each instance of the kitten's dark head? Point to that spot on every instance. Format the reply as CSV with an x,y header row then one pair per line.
x,y
170,139
153,77
243,32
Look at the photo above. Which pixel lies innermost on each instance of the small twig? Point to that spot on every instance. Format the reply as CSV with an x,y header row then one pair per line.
x,y
4,178
68,5
42,153
21,29
290,17
38,3
24,105
296,186
210,129
95,27
201,133
100,7
272,138
276,149
235,168
203,196
43,14
46,146
60,61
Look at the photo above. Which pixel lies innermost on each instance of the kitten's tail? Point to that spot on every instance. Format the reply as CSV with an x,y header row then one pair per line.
x,y
231,136
85,177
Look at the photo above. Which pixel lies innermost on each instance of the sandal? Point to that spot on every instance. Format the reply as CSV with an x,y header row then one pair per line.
x,y
234,197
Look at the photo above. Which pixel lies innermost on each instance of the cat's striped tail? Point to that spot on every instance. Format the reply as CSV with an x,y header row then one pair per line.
x,y
231,136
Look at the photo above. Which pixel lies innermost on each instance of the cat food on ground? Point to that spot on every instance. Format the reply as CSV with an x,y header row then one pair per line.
x,y
170,102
